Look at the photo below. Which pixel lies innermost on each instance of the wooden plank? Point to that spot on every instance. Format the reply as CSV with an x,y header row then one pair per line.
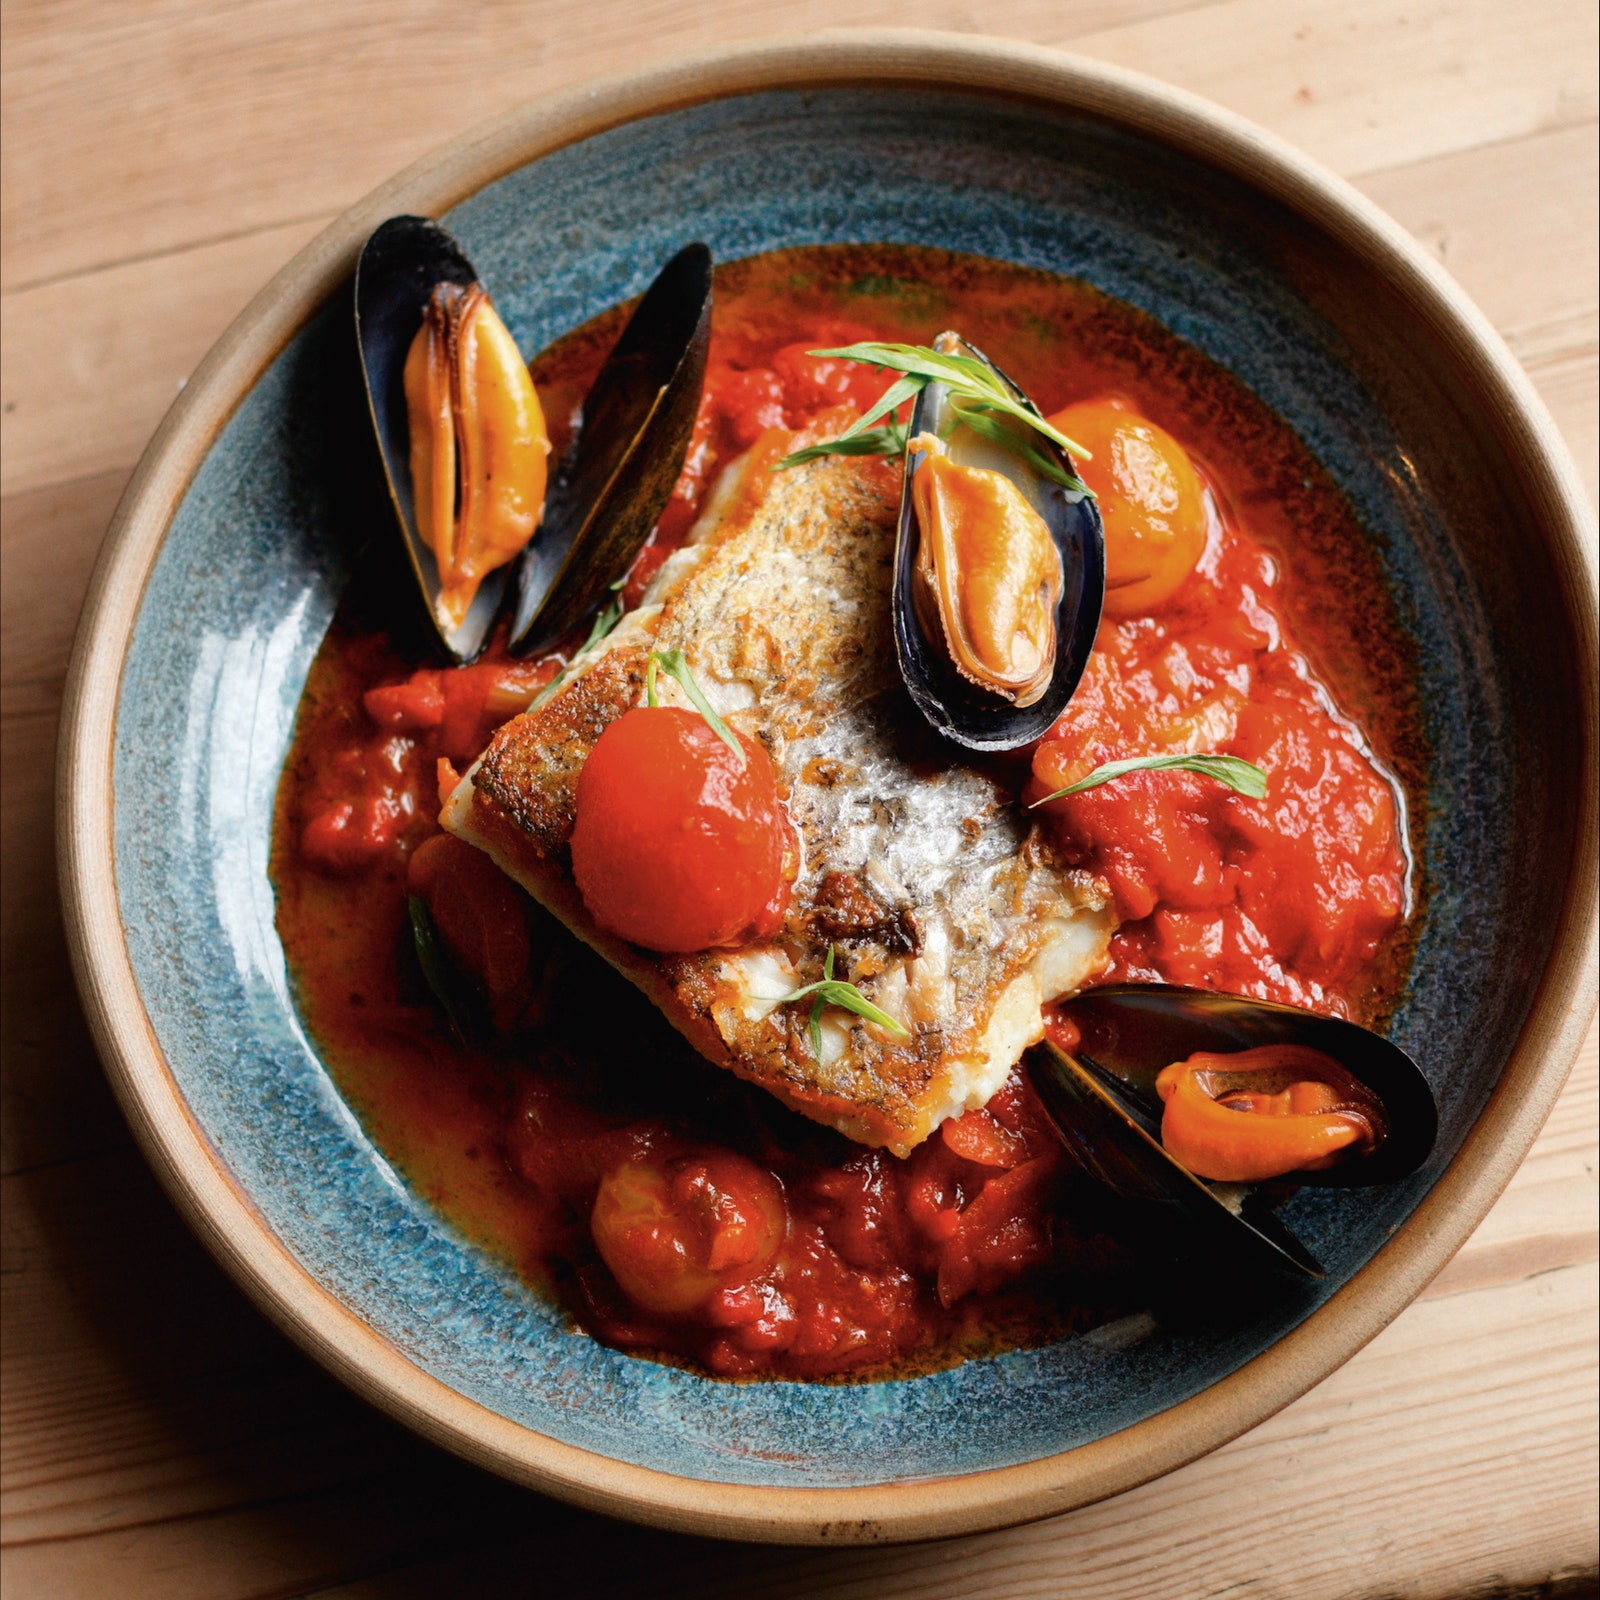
x,y
1554,1191
93,362
49,539
54,1102
289,109
1518,225
129,132
1569,384
1479,211
138,1386
1315,1504
159,1438
1369,1474
282,1547
1369,85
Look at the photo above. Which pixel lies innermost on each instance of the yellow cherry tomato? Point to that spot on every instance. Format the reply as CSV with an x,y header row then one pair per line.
x,y
1150,500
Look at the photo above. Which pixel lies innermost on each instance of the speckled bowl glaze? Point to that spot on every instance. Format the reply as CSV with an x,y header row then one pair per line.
x,y
230,550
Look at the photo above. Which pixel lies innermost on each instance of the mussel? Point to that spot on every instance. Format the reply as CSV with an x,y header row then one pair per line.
x,y
638,418
453,408
999,573
463,445
1104,1099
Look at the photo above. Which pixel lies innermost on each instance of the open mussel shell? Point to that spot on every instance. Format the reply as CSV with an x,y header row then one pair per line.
x,y
396,273
956,707
1103,1101
637,422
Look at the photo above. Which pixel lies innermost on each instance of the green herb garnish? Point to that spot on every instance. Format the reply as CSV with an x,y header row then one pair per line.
x,y
831,991
435,967
1005,434
814,1027
976,391
1238,774
673,663
601,626
889,440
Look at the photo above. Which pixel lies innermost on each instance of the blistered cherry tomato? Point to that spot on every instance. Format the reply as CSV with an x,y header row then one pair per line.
x,y
677,846
674,1233
1150,500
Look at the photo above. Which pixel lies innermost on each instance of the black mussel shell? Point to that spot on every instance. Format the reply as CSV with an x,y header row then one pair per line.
x,y
1120,1148
957,708
637,422
396,273
1103,1100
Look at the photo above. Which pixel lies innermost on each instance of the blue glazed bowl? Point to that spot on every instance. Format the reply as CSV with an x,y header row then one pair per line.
x,y
236,537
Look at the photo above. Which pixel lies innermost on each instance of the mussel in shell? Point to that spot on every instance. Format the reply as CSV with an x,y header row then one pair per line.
x,y
478,444
1111,1098
452,407
999,573
463,444
989,575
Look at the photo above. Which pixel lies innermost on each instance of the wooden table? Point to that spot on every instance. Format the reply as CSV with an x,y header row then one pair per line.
x,y
161,160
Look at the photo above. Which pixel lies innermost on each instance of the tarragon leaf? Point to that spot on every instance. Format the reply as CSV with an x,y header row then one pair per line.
x,y
965,377
886,441
831,991
607,619
676,665
895,395
1244,776
997,432
977,393
816,1008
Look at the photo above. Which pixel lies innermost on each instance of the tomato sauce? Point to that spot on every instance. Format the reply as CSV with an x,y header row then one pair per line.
x,y
556,1118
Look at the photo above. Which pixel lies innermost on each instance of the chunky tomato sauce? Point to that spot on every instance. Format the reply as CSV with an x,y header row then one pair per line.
x,y
554,1116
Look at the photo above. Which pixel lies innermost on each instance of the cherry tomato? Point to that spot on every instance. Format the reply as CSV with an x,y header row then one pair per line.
x,y
1061,1031
676,846
1150,500
674,1233
811,383
979,1138
751,401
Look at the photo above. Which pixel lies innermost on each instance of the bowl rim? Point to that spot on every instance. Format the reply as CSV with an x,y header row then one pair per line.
x,y
221,1212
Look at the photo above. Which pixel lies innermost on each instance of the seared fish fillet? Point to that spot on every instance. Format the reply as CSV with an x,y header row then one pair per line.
x,y
946,903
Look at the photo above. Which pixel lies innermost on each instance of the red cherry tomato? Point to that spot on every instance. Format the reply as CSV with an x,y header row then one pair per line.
x,y
1150,500
977,1137
675,1233
751,401
812,383
676,846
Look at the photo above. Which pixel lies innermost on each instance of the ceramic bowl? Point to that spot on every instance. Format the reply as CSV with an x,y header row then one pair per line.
x,y
227,556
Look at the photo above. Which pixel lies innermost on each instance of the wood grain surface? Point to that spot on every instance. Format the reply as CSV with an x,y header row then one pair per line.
x,y
160,161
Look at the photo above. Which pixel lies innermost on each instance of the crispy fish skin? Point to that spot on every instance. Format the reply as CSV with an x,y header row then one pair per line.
x,y
945,901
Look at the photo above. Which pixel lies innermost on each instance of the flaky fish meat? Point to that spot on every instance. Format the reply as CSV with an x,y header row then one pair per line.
x,y
944,900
